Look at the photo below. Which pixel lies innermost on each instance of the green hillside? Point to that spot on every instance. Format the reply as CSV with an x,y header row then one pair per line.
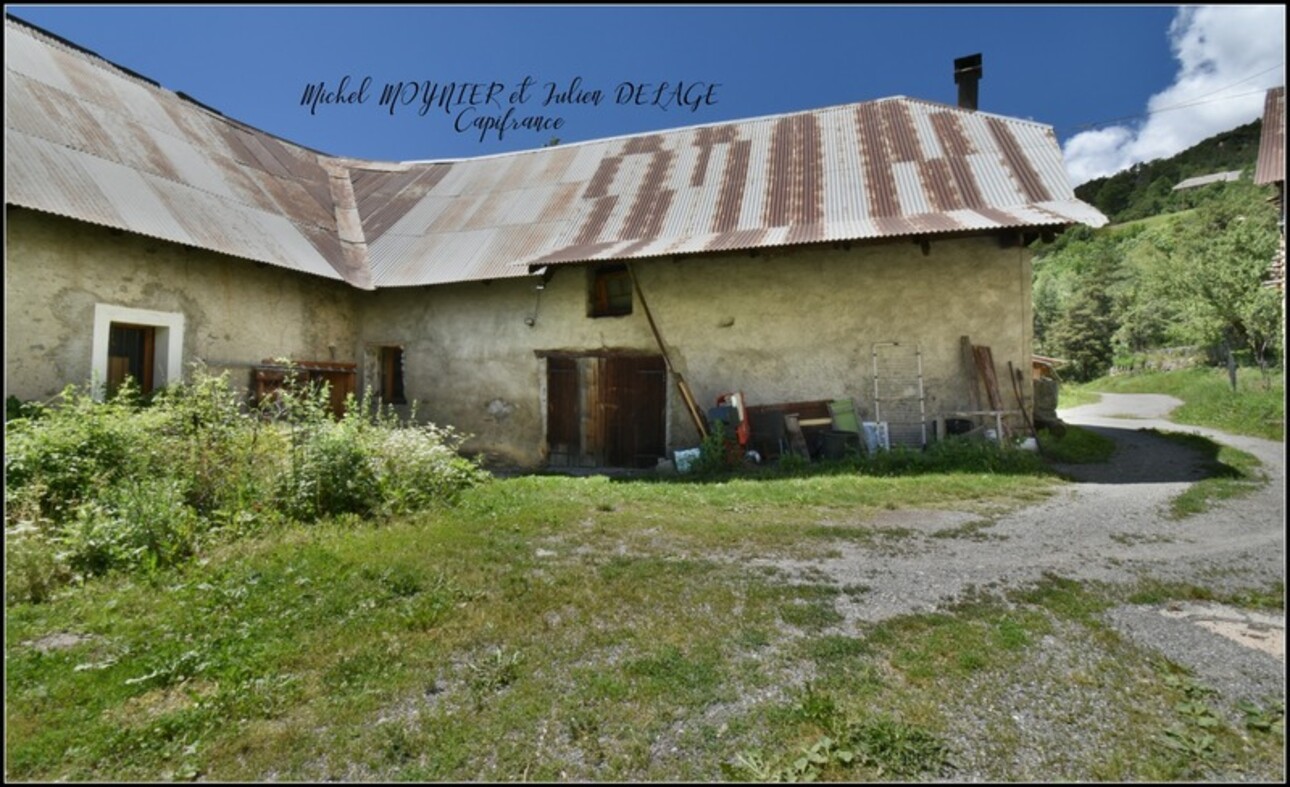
x,y
1175,269
1146,189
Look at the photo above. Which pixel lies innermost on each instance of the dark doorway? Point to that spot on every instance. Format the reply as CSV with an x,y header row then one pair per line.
x,y
131,352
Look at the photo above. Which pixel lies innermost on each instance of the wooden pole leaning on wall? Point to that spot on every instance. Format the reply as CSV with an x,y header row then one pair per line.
x,y
686,396
969,369
1016,376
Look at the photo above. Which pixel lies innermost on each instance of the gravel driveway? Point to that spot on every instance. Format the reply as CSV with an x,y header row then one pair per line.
x,y
1111,526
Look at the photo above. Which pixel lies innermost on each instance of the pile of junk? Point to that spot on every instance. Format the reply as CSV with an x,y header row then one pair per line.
x,y
824,429
833,429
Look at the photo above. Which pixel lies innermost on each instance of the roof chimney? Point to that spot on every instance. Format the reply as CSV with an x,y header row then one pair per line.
x,y
967,72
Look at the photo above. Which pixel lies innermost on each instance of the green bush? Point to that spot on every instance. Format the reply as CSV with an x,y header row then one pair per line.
x,y
954,454
417,466
369,462
75,452
224,456
138,524
127,484
714,453
332,475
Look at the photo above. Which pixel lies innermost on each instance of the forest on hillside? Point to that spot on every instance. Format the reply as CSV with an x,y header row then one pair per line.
x,y
1146,188
1185,268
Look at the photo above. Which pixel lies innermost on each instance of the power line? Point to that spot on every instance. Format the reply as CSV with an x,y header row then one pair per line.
x,y
1239,81
1196,101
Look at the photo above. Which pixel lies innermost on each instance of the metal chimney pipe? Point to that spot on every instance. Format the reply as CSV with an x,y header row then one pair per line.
x,y
967,72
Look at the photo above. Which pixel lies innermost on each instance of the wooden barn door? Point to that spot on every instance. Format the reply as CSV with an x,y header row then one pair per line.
x,y
606,411
633,393
563,413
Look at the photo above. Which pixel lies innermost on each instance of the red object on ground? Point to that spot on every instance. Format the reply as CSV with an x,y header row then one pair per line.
x,y
736,400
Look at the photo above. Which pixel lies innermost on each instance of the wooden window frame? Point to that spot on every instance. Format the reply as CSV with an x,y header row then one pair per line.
x,y
392,359
602,301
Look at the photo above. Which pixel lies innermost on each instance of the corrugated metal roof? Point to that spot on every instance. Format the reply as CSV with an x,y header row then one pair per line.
x,y
1272,142
1205,180
879,169
89,140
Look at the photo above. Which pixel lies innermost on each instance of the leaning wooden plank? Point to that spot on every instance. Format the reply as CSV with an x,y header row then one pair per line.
x,y
985,368
969,371
796,440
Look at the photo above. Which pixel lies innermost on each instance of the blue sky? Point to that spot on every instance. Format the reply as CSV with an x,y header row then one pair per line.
x,y
1079,69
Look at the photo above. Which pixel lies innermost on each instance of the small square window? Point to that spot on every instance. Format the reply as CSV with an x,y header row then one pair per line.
x,y
610,291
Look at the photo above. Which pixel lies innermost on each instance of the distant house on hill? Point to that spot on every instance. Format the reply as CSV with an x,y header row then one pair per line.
x,y
1205,180
816,255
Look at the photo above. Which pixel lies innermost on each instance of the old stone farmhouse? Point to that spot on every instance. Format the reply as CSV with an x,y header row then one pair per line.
x,y
799,257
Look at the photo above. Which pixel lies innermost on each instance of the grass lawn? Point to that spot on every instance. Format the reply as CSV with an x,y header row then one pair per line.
x,y
1208,398
1076,446
1231,473
552,628
1075,395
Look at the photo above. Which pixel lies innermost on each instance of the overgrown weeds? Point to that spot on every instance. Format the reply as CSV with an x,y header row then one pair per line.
x,y
876,746
131,484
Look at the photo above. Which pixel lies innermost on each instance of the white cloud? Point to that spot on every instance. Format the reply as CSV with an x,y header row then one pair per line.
x,y
1227,57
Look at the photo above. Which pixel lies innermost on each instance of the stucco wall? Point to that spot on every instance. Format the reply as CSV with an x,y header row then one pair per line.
x,y
789,325
236,312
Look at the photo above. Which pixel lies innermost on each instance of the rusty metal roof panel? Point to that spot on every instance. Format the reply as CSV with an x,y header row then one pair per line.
x,y
845,199
36,176
1271,166
143,104
419,218
389,254
194,167
582,162
134,197
699,205
1073,211
510,243
526,206
1049,171
993,173
928,143
24,111
402,261
996,184
97,132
